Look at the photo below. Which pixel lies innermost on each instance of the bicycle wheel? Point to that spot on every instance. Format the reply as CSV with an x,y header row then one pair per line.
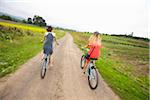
x,y
93,78
43,69
82,61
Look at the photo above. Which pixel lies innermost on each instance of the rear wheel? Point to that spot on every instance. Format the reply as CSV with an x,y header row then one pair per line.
x,y
82,61
93,78
43,69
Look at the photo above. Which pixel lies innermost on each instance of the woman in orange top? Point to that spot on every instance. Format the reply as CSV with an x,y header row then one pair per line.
x,y
94,45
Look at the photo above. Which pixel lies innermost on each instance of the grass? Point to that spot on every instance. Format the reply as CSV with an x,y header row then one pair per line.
x,y
123,65
14,54
125,41
18,43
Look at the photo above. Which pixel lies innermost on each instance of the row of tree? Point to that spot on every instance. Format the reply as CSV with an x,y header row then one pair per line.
x,y
7,17
131,36
36,20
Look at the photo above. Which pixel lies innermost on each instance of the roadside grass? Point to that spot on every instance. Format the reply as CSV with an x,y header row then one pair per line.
x,y
14,54
59,33
125,41
18,43
124,65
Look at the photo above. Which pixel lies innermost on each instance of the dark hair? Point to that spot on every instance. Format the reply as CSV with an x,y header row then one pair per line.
x,y
49,28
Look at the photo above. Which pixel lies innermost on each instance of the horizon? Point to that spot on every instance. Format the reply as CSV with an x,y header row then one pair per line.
x,y
119,17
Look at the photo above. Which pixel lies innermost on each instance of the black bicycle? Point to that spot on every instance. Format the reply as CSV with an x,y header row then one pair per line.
x,y
44,65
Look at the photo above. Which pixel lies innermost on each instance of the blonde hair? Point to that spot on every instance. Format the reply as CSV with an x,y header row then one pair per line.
x,y
95,39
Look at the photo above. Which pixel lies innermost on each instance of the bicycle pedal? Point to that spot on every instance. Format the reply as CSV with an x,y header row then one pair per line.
x,y
92,67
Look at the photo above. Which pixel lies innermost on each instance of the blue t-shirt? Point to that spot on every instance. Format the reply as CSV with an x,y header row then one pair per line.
x,y
48,44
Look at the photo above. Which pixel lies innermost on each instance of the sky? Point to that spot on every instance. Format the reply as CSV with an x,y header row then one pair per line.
x,y
105,16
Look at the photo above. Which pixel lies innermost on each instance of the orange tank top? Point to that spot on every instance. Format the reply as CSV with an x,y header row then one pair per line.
x,y
94,51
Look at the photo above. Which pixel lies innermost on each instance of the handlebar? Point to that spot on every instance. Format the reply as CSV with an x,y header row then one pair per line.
x,y
85,50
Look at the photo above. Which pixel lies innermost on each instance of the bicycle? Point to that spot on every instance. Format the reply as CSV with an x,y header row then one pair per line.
x,y
91,71
44,65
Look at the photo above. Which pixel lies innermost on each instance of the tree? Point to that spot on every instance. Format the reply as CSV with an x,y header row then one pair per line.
x,y
24,21
38,20
29,20
131,35
5,17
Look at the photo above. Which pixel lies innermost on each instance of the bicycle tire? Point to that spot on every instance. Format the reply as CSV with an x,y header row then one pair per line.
x,y
43,70
93,69
82,62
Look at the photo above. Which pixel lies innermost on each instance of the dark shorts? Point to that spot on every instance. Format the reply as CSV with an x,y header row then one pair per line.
x,y
87,56
48,51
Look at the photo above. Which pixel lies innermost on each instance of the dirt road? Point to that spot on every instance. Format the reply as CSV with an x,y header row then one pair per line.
x,y
63,81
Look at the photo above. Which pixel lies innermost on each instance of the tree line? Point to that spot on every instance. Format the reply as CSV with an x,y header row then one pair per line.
x,y
6,17
36,20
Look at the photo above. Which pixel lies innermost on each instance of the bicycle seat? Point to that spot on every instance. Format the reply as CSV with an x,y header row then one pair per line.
x,y
93,59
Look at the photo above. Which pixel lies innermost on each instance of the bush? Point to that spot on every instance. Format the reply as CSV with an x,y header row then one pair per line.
x,y
5,17
10,33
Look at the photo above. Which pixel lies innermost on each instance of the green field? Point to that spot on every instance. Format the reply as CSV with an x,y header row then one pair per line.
x,y
18,43
124,64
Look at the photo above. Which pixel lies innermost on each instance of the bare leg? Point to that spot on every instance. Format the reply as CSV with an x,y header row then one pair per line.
x,y
42,56
85,65
51,60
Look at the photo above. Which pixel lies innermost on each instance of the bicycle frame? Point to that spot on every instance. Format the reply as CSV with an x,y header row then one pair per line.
x,y
46,59
44,66
90,66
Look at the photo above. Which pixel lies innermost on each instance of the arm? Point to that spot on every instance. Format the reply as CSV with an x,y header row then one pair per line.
x,y
55,38
87,46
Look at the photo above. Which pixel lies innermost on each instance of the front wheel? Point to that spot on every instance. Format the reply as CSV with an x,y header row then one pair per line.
x,y
82,62
93,78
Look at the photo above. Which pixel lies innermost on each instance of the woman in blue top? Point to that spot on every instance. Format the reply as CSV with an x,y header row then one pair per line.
x,y
48,42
